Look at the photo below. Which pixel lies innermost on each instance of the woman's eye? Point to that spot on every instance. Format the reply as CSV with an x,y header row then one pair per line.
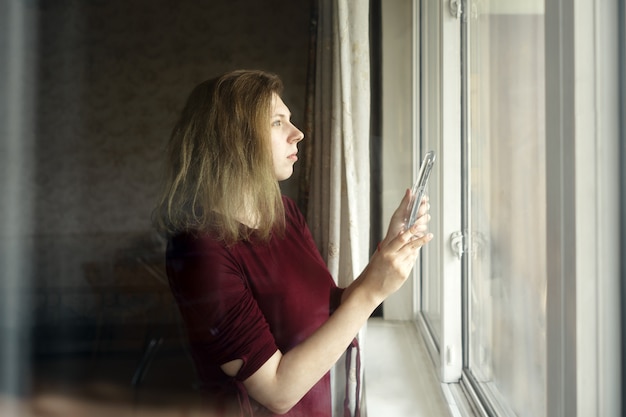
x,y
276,123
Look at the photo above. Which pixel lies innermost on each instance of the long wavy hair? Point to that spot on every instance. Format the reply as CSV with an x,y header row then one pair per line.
x,y
220,161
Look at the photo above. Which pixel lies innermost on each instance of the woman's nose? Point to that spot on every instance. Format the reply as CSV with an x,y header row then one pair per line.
x,y
296,135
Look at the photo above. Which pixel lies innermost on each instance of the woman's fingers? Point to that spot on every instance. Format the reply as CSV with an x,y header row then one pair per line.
x,y
424,206
420,227
413,237
420,241
423,209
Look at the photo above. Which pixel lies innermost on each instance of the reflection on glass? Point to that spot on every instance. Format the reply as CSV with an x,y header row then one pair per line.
x,y
507,278
431,120
89,94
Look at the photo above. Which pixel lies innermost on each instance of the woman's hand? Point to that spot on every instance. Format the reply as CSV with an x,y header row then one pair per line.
x,y
397,224
390,266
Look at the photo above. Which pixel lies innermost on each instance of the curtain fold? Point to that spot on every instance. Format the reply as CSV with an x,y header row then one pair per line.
x,y
338,199
339,195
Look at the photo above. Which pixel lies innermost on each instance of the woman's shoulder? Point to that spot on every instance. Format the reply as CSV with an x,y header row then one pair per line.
x,y
289,202
202,253
194,241
292,211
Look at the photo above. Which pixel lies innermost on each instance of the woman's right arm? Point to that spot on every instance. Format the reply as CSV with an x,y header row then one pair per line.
x,y
285,378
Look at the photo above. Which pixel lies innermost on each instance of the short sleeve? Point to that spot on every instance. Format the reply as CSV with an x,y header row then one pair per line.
x,y
221,316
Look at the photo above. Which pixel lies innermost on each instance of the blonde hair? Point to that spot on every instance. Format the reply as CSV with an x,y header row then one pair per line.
x,y
220,161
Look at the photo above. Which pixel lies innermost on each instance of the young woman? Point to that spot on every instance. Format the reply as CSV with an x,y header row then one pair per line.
x,y
265,320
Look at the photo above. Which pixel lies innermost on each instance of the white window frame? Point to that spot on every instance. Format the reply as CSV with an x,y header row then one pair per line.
x,y
398,127
401,132
582,104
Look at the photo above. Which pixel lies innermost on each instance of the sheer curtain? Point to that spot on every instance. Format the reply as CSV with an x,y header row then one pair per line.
x,y
338,200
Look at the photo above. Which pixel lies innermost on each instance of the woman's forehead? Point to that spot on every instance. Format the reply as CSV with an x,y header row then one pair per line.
x,y
279,107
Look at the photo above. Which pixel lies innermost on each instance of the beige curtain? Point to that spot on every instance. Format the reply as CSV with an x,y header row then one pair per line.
x,y
338,200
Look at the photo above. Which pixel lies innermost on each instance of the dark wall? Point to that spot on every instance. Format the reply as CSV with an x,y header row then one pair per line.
x,y
112,76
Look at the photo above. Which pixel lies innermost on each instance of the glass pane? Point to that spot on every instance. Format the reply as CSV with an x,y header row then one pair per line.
x,y
431,137
89,93
507,269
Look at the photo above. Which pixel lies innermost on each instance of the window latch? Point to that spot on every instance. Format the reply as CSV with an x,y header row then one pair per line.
x,y
458,243
455,8
467,243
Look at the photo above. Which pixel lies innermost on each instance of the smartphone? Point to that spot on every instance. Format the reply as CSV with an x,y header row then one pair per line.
x,y
419,188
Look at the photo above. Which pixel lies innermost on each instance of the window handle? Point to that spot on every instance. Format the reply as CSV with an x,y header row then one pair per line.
x,y
464,242
455,8
457,243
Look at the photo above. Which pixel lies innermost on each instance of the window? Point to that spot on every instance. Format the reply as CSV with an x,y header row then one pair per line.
x,y
430,88
505,206
518,293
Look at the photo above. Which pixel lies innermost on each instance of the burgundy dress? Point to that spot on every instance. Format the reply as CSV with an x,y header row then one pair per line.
x,y
247,301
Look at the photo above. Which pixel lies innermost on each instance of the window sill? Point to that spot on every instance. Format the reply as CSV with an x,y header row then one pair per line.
x,y
400,379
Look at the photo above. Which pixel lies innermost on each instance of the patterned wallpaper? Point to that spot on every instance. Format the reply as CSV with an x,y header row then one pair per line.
x,y
112,77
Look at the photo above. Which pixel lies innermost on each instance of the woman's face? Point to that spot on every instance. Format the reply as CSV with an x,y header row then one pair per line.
x,y
285,138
